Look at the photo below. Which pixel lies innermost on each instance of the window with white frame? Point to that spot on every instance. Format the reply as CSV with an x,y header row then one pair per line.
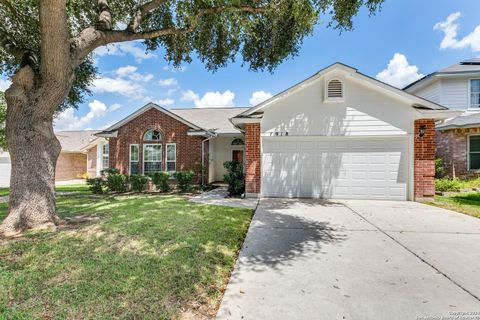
x,y
105,156
134,159
475,93
474,152
171,157
152,135
152,158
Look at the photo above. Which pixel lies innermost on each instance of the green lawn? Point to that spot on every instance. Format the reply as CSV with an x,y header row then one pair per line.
x,y
135,257
468,203
77,188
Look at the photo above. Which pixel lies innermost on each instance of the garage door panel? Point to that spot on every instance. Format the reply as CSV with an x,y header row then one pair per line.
x,y
335,168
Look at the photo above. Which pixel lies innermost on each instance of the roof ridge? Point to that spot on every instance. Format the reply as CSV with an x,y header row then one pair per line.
x,y
209,108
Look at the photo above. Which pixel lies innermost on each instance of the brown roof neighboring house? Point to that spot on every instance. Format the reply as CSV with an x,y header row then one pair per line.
x,y
74,141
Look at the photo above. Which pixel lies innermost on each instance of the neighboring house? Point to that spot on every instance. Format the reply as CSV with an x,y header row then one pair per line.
x,y
157,139
338,134
4,168
458,139
72,162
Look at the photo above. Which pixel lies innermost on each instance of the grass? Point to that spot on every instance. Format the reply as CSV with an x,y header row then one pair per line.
x,y
130,257
468,203
74,188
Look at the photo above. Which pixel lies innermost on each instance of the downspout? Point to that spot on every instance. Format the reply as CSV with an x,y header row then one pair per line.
x,y
211,136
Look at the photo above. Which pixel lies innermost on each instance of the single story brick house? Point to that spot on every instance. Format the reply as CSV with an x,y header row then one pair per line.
x,y
458,139
337,134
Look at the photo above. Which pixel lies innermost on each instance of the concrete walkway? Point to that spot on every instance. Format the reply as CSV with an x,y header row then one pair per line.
x,y
219,197
306,259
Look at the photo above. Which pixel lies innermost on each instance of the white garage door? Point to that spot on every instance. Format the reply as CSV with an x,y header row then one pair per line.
x,y
356,168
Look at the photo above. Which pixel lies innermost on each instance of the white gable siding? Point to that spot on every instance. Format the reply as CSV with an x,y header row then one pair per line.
x,y
431,92
364,112
455,93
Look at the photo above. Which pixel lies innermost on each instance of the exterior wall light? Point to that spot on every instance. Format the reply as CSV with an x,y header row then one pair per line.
x,y
421,131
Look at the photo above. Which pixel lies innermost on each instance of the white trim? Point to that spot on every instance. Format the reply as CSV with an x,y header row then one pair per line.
x,y
147,107
353,74
107,156
469,92
468,151
161,155
166,156
130,157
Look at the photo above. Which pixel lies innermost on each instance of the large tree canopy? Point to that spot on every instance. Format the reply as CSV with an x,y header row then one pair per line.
x,y
46,47
263,32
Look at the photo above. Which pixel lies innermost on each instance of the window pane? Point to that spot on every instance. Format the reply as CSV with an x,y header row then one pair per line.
x,y
152,167
134,168
474,100
105,148
105,161
474,161
171,152
153,152
152,135
475,86
134,153
474,143
171,166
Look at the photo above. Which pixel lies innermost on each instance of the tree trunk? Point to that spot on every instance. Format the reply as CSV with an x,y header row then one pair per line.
x,y
34,150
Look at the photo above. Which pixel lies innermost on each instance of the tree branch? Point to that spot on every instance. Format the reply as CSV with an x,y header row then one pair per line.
x,y
92,38
105,18
141,12
54,46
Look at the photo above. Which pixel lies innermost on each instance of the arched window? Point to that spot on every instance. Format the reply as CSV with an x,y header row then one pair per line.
x,y
152,135
335,89
238,142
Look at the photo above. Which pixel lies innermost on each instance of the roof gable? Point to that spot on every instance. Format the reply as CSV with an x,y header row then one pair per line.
x,y
353,74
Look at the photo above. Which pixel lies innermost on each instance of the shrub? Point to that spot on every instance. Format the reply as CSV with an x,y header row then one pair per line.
x,y
439,168
160,180
184,179
117,182
138,182
96,185
447,185
109,171
234,177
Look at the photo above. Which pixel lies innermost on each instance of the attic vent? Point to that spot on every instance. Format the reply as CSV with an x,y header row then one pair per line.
x,y
471,62
334,89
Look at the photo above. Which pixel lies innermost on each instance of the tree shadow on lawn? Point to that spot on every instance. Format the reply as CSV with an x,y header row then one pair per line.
x,y
146,257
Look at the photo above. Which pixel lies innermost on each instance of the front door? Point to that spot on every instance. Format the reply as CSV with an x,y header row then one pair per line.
x,y
237,156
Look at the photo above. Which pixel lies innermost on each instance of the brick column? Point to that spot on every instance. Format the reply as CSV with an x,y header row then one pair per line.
x,y
424,159
252,159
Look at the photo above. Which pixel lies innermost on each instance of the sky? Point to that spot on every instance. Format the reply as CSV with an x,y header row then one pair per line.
x,y
404,41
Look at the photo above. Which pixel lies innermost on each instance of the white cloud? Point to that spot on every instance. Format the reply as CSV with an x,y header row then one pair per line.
x,y
210,99
189,95
175,69
127,83
125,48
259,97
168,82
4,84
165,102
124,87
450,29
398,72
125,71
115,106
67,120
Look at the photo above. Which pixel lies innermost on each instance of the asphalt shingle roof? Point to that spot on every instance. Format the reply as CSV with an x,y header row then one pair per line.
x,y
74,141
470,65
468,120
211,118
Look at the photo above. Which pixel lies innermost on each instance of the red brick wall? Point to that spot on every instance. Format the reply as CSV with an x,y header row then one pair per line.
x,y
452,148
173,131
424,159
252,158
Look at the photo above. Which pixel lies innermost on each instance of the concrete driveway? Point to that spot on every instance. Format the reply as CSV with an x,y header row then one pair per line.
x,y
307,259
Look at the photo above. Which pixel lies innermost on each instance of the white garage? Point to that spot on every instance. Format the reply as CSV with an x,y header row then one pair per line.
x,y
341,134
4,169
335,168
